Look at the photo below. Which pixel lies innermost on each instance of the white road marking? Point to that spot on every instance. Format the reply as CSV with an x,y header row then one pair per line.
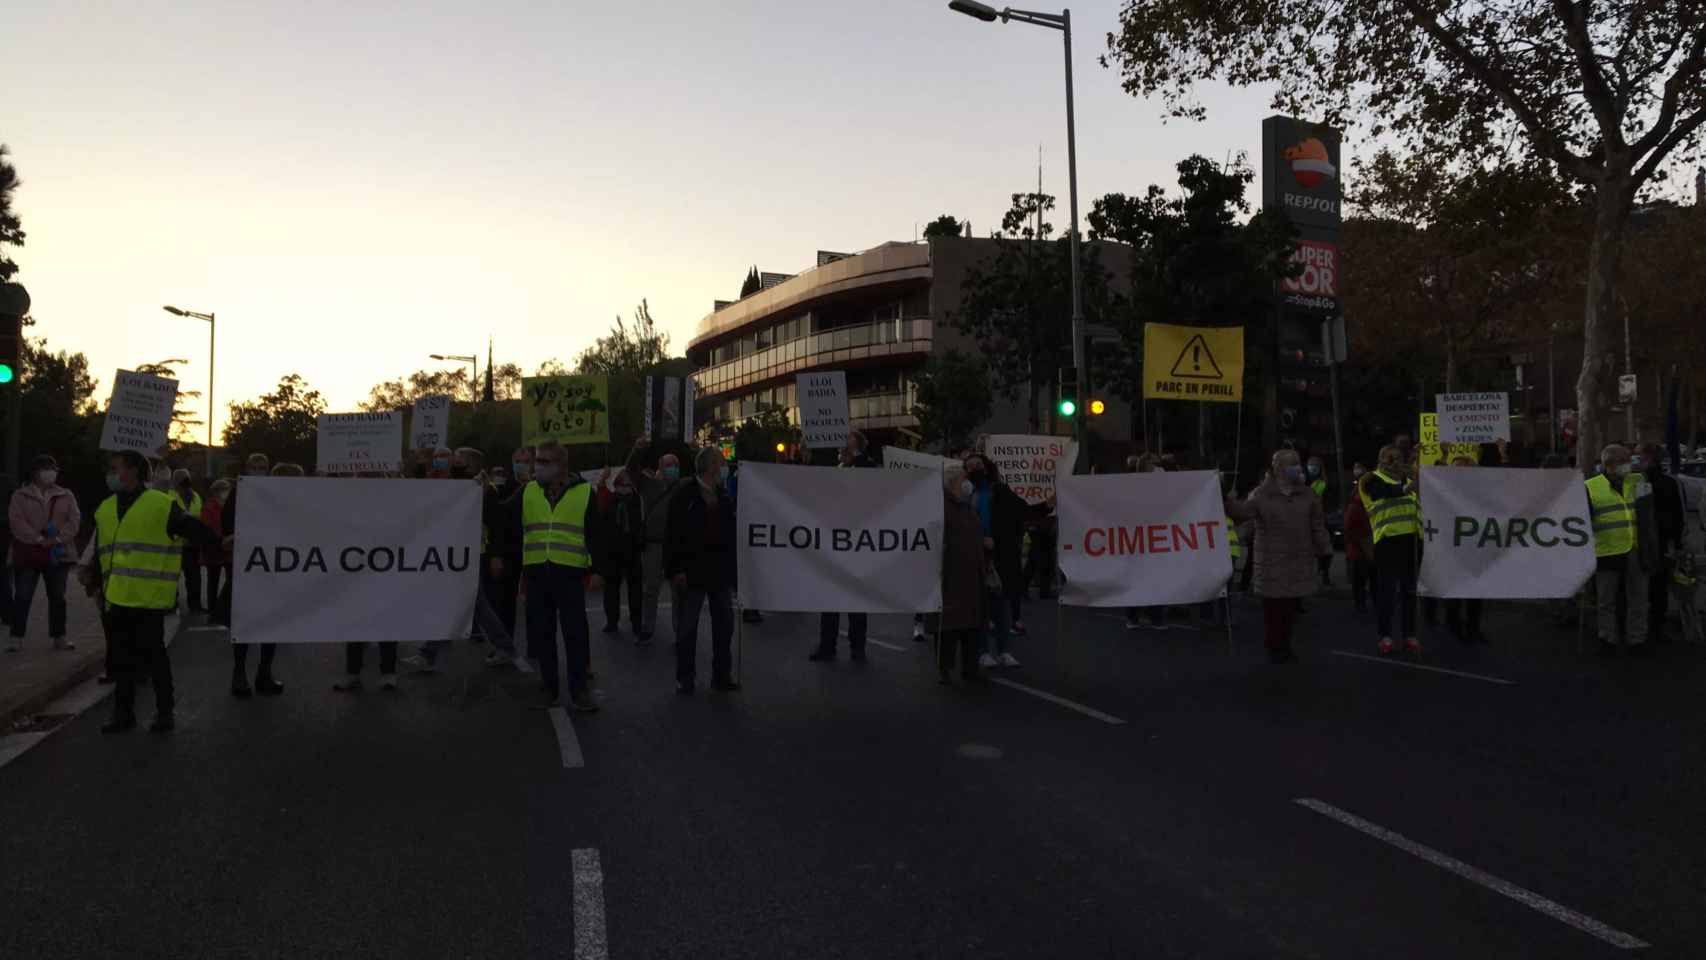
x,y
1421,666
1528,898
76,701
1062,701
567,742
886,645
589,906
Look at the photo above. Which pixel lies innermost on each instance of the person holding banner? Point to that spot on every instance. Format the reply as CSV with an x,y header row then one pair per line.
x,y
1463,616
183,491
1291,535
1670,517
1395,515
1359,545
1625,545
699,559
1002,514
622,512
655,489
965,601
850,457
556,522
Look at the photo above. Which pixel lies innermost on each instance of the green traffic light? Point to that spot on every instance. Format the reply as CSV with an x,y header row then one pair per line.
x,y
1068,408
5,373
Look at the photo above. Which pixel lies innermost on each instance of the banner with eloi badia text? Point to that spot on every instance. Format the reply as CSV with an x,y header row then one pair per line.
x,y
854,541
329,560
1498,533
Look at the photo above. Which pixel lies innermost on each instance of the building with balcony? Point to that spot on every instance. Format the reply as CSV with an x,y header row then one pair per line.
x,y
877,315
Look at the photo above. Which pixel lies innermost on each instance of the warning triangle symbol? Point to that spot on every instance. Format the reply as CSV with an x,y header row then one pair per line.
x,y
1196,362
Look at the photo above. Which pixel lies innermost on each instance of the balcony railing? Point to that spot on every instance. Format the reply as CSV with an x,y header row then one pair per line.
x,y
879,338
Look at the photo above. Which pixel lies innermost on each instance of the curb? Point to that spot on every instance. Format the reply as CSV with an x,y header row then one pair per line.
x,y
60,686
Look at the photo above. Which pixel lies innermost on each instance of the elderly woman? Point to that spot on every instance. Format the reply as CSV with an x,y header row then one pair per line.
x,y
965,601
1291,535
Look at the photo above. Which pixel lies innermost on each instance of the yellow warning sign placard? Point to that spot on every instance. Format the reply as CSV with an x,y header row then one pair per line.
x,y
1193,363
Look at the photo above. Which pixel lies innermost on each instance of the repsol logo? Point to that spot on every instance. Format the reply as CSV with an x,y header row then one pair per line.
x,y
1308,204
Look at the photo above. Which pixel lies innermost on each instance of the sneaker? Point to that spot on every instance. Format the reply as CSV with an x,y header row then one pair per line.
x,y
497,658
1386,645
418,662
584,704
1414,646
268,687
918,632
163,723
388,681
1131,624
60,643
1008,660
986,661
240,685
348,685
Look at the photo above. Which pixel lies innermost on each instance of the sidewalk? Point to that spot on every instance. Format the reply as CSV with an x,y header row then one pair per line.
x,y
39,675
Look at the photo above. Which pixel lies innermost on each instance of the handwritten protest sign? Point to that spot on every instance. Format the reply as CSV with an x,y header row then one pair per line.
x,y
567,409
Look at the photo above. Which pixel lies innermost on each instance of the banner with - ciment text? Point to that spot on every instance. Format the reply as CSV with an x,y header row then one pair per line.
x,y
856,541
1498,533
1142,539
325,560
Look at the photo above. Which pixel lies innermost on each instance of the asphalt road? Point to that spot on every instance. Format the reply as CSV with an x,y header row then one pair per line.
x,y
847,810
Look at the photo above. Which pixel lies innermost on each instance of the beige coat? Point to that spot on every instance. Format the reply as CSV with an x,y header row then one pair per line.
x,y
1290,533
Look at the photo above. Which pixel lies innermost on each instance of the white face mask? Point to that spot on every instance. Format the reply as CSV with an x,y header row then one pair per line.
x,y
47,477
1623,469
966,489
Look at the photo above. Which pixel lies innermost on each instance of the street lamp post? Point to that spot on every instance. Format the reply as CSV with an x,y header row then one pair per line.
x,y
475,361
211,327
1061,21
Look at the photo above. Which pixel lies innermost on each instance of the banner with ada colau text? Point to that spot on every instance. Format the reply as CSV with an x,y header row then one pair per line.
x,y
1142,539
326,560
857,541
1498,533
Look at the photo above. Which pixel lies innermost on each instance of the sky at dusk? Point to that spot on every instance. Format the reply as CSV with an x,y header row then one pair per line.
x,y
353,186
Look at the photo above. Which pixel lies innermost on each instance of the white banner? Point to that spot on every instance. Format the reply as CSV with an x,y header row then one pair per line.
x,y
322,560
359,443
855,541
139,415
1031,465
823,409
1474,417
898,458
1142,539
430,427
1499,533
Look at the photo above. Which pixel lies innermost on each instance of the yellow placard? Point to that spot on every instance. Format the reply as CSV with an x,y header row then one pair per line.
x,y
1428,452
570,409
1193,363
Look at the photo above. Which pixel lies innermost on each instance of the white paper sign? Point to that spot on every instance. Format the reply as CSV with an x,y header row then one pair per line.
x,y
322,560
430,427
858,541
1501,533
898,458
139,415
359,443
823,409
1474,417
1142,539
1031,465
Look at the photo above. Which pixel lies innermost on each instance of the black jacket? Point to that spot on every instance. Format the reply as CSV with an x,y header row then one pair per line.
x,y
1667,508
689,549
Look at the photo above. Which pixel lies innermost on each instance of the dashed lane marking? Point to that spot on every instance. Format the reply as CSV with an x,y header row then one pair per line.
x,y
590,943
567,742
1060,701
1422,666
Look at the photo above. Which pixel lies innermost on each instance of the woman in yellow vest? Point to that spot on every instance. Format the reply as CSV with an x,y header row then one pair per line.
x,y
183,491
139,545
1395,517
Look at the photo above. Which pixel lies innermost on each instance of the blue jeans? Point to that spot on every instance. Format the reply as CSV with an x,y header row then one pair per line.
x,y
720,599
556,596
995,641
24,592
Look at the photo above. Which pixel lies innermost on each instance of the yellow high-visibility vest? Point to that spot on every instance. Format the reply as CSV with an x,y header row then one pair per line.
x,y
555,535
1613,516
1232,540
1320,488
194,509
1394,516
139,562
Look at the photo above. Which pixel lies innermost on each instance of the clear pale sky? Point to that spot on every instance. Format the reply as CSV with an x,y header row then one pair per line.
x,y
352,186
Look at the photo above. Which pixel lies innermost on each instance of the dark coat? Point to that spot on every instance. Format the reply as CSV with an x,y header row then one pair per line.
x,y
964,601
1008,515
687,548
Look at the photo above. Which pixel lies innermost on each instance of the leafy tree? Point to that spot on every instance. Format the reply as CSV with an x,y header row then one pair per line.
x,y
56,396
455,383
11,228
752,284
282,424
756,437
627,349
943,226
1612,95
954,398
551,368
1017,304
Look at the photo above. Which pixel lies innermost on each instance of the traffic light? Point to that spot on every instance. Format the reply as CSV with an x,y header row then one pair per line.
x,y
1097,408
781,447
1067,398
14,303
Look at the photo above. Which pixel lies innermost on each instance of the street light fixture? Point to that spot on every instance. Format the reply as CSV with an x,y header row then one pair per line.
x,y
462,359
1061,21
211,327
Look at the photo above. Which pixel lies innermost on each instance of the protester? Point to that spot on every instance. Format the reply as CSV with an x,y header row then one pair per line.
x,y
851,456
265,684
216,560
1463,615
139,567
1625,541
505,563
1359,546
555,520
1146,463
1670,519
622,512
42,521
1001,515
655,490
183,491
467,463
699,558
1291,534
1395,518
965,569
1040,565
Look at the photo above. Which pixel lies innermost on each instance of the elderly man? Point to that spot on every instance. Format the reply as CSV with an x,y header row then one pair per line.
x,y
1395,518
1613,502
655,489
700,562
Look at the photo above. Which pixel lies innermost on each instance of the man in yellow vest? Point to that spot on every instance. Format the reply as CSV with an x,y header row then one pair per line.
x,y
1613,494
138,535
1395,518
553,520
183,491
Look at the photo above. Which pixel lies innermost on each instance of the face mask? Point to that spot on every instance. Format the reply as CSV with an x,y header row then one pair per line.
x,y
966,489
1623,469
440,463
546,472
672,474
1314,470
47,477
1292,474
112,482
1637,463
624,491
521,469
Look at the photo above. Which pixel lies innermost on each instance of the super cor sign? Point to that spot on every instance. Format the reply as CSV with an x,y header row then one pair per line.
x,y
1320,276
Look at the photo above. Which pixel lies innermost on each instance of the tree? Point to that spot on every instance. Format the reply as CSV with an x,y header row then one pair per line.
x,y
1611,94
56,396
283,424
954,398
752,284
943,226
756,437
626,350
11,228
455,383
1017,305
